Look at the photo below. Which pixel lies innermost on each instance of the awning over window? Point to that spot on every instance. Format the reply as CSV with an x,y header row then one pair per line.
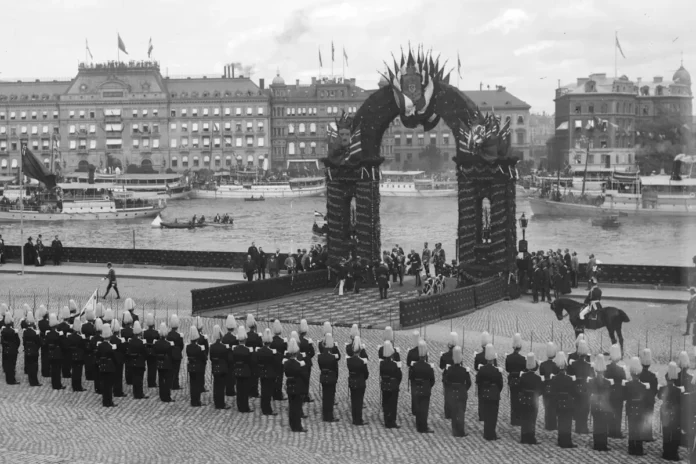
x,y
184,159
195,158
228,157
217,157
3,164
250,158
260,157
14,163
206,159
173,158
563,126
578,124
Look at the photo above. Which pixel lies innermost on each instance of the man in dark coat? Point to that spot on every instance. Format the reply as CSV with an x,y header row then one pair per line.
x,y
635,393
254,253
515,364
414,261
648,377
54,343
249,267
119,358
265,360
446,360
136,352
458,379
32,342
274,264
64,329
218,362
177,342
263,262
253,342
10,349
243,368
547,370
230,340
382,275
126,335
357,379
29,252
76,348
297,385
411,359
423,377
105,360
670,414
563,388
600,390
89,330
307,351
42,316
195,354
328,377
616,375
94,342
480,361
489,382
56,251
581,370
163,353
279,344
151,336
390,379
530,389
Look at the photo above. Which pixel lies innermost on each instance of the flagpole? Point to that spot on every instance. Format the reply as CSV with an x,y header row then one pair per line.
x,y
344,63
21,206
616,58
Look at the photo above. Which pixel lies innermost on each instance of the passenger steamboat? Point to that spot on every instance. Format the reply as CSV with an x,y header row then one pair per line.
x,y
142,186
414,184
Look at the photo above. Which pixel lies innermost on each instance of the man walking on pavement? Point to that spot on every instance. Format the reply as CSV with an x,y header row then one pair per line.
x,y
111,275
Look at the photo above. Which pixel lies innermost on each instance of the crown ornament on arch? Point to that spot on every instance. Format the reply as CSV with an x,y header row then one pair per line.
x,y
344,122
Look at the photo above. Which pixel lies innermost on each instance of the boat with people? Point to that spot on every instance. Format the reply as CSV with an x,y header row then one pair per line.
x,y
78,202
657,195
253,198
144,186
415,184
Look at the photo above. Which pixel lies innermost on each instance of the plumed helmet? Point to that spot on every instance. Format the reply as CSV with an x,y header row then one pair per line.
x,y
328,341
387,349
485,339
137,330
9,319
422,349
115,326
531,363
634,365
453,339
41,312
517,341
600,365
490,352
163,330
303,326
77,325
30,318
684,361
127,318
25,309
551,350
646,357
89,314
241,333
357,345
672,371
326,328
199,323
579,339
231,322
217,332
149,320
129,304
174,321
582,349
250,321
294,335
99,311
457,356
615,352
73,306
415,335
193,333
106,331
388,334
98,325
560,360
293,347
267,336
277,327
3,308
354,332
108,315
64,313
52,320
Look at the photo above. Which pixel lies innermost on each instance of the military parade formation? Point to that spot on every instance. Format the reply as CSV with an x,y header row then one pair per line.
x,y
571,388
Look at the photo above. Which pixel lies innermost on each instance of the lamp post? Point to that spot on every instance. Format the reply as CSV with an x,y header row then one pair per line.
x,y
523,224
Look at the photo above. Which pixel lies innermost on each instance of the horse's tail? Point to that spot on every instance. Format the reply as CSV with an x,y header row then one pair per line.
x,y
623,316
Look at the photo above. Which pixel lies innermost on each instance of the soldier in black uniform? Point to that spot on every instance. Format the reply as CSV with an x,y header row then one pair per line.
x,y
325,329
31,341
600,404
382,275
390,379
357,378
44,327
119,358
126,334
279,344
129,305
105,360
203,341
218,361
635,393
93,346
489,382
446,360
514,365
151,335
328,376
64,330
649,407
423,378
354,332
617,375
163,353
388,335
195,354
411,359
563,388
685,380
546,370
230,339
670,414
265,360
10,349
297,385
308,353
458,379
480,360
136,360
253,342
243,367
581,370
530,389
76,349
177,342
53,343
89,330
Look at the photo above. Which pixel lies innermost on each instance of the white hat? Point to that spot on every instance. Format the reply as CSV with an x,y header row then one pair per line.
x,y
422,349
303,326
137,330
453,339
579,339
517,341
457,356
52,320
41,312
267,337
531,363
560,360
199,323
241,333
30,318
357,344
108,315
646,357
127,318
250,321
89,314
615,352
73,306
388,334
98,325
672,371
106,331
99,311
26,308
115,326
64,313
292,346
163,330
582,349
174,321
600,364
387,349
129,304
217,332
231,322
416,337
635,366
485,339
8,318
551,350
294,335
149,320
684,361
354,332
326,328
193,333
490,352
3,308
77,325
277,327
328,341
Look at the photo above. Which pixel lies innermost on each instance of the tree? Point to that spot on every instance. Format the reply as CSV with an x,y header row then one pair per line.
x,y
432,158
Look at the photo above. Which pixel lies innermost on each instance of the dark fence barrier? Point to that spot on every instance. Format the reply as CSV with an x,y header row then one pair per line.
x,y
257,290
427,309
637,274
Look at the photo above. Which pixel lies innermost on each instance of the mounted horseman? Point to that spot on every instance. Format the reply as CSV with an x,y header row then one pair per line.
x,y
593,300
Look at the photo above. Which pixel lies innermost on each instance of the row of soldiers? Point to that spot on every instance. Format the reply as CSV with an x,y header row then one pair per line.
x,y
571,387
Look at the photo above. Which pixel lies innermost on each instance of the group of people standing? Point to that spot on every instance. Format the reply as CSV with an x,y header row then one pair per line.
x,y
543,272
34,253
258,262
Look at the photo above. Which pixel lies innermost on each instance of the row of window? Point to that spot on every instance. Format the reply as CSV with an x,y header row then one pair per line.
x,y
421,139
215,126
25,130
248,141
304,111
144,113
421,156
604,159
206,161
216,111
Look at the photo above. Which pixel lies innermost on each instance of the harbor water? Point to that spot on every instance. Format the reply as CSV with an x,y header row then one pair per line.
x,y
408,222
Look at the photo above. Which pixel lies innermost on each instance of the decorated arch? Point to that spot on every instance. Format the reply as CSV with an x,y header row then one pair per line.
x,y
418,92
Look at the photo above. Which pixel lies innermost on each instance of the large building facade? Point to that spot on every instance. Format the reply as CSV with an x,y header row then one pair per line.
x,y
623,103
123,114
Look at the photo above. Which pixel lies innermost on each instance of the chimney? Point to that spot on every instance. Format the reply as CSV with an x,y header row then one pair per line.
x,y
297,82
262,83
657,79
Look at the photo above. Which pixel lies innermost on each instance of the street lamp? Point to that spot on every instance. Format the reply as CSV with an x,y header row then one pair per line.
x,y
523,224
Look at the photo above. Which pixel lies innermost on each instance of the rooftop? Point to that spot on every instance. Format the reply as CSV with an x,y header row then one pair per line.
x,y
499,98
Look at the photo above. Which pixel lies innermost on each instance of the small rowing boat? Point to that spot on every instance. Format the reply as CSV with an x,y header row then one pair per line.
x,y
253,198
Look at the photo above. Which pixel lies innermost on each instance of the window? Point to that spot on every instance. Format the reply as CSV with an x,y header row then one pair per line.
x,y
259,126
175,162
172,126
3,148
261,142
2,115
590,159
228,126
194,127
206,127
184,142
144,113
291,148
520,138
249,141
194,142
194,112
3,130
43,115
12,114
184,127
445,139
109,112
312,148
409,139
238,111
206,142
250,126
259,111
184,161
113,127
34,130
216,142
216,127
155,143
228,142
433,139
287,111
71,129
217,161
35,144
205,111
302,129
421,139
44,144
313,129
172,113
195,161
293,111
249,111
155,112
33,114
291,128
172,143
71,114
228,161
92,129
136,143
73,144
216,111
135,113
603,144
136,128
302,148
184,113
397,140
227,111
578,109
238,142
82,114
238,126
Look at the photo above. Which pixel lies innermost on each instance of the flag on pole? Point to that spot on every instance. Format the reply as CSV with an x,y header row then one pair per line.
x,y
317,214
88,50
149,48
618,45
345,57
459,65
121,45
332,52
32,167
321,65
91,303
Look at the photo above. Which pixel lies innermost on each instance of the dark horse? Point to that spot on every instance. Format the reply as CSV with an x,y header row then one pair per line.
x,y
610,317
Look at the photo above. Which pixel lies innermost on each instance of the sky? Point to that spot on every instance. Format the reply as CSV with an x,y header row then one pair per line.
x,y
528,46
